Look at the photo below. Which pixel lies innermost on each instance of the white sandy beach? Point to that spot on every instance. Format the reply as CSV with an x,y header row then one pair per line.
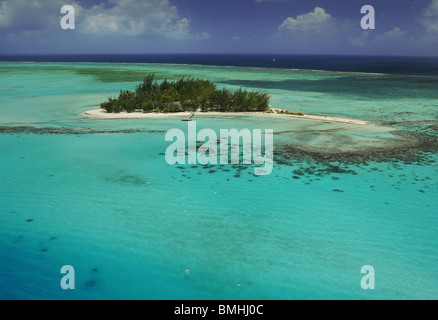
x,y
102,114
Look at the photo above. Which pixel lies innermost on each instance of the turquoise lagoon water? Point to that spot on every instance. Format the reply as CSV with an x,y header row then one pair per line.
x,y
98,194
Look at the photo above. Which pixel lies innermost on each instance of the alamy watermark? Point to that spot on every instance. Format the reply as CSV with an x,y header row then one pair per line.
x,y
68,21
368,280
68,281
212,152
369,20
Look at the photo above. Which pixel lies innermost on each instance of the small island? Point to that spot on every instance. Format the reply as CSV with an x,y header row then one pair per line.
x,y
185,95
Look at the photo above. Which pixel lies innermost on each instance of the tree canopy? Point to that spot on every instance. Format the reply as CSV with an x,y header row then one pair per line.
x,y
185,95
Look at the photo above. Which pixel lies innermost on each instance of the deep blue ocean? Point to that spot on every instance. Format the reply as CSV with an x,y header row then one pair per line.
x,y
427,66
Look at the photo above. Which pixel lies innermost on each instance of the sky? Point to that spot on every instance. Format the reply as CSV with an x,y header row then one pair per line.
x,y
402,27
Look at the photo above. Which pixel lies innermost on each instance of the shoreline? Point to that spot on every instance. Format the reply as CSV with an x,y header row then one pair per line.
x,y
101,114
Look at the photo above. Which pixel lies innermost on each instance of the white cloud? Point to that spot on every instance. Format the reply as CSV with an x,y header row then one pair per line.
x,y
118,17
29,14
313,22
5,18
316,30
133,18
181,30
430,18
361,40
393,42
390,38
128,17
395,35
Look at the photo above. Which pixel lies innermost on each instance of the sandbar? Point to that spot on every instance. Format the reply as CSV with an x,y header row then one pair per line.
x,y
274,112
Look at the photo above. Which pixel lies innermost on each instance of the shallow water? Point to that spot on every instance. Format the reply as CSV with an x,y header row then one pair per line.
x,y
99,195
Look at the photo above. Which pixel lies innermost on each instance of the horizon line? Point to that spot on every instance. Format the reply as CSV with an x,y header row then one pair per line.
x,y
210,53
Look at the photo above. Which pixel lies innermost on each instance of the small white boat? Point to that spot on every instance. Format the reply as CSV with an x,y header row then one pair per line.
x,y
189,118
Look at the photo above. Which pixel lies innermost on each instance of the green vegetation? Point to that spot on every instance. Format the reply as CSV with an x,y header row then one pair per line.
x,y
290,112
185,95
